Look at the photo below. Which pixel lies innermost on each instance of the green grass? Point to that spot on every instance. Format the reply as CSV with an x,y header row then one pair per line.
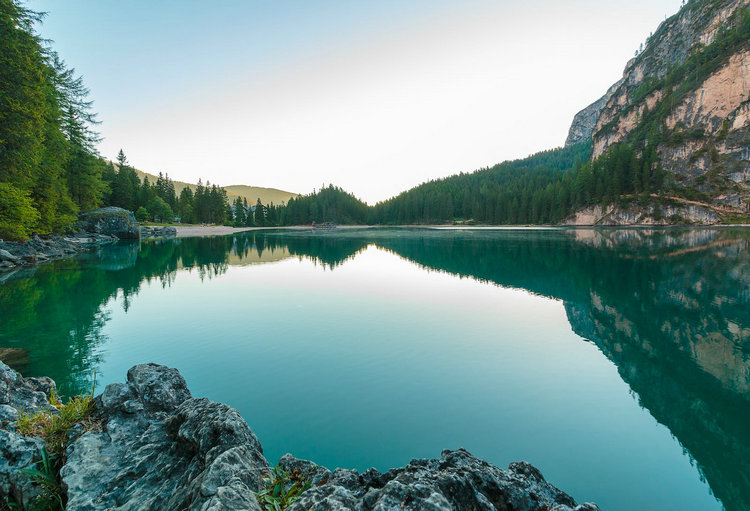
x,y
53,428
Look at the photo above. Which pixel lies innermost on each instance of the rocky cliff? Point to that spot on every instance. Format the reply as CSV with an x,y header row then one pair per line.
x,y
158,447
687,94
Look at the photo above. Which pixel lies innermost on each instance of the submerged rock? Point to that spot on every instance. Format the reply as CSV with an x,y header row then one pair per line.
x,y
111,221
161,448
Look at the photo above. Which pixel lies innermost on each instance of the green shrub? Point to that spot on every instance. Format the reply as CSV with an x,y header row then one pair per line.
x,y
17,213
282,489
141,214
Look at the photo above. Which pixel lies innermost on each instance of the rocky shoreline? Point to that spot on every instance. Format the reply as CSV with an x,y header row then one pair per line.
x,y
39,250
157,447
94,228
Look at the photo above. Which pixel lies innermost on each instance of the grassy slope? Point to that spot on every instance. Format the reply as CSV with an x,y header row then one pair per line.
x,y
251,193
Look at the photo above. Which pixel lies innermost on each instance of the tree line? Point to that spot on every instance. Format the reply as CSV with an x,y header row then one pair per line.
x,y
544,188
49,167
159,201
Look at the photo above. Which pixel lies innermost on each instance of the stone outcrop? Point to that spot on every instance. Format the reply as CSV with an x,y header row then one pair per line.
x,y
111,221
703,119
161,448
584,122
49,248
650,214
166,231
456,480
17,452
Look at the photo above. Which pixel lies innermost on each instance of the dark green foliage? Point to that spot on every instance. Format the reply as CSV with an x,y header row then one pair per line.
x,y
282,489
141,214
46,142
46,477
329,204
17,213
259,214
537,189
160,210
240,218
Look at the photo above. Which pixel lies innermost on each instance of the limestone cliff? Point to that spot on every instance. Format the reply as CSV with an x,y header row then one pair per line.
x,y
687,94
584,122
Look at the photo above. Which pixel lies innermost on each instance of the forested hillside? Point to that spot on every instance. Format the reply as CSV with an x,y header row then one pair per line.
x,y
544,188
48,166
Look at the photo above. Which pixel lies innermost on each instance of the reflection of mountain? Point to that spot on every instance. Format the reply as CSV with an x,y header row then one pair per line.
x,y
669,307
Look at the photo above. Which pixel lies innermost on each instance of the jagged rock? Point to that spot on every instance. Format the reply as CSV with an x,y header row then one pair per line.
x,y
112,221
25,395
584,122
17,451
38,250
650,214
7,256
184,453
455,481
166,231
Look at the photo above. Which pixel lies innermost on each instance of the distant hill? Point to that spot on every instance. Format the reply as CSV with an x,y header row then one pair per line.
x,y
251,193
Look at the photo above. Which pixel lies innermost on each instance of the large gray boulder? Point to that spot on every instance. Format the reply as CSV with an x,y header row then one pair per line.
x,y
111,221
455,481
160,448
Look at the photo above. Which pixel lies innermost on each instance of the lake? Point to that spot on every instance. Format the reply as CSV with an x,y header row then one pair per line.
x,y
616,361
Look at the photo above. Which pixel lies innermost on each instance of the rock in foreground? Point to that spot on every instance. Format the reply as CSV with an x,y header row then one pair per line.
x,y
160,448
455,481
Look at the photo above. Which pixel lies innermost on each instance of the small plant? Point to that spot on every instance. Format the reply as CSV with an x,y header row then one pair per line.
x,y
45,477
282,489
54,427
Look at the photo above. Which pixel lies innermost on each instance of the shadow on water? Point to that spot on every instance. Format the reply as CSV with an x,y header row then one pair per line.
x,y
671,308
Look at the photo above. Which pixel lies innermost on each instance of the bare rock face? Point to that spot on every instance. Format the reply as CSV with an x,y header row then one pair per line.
x,y
652,214
455,481
111,221
584,122
162,449
703,115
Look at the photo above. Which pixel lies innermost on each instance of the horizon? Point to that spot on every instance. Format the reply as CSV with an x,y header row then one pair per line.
x,y
375,99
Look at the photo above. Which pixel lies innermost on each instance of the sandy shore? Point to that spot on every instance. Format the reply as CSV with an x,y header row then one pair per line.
x,y
189,231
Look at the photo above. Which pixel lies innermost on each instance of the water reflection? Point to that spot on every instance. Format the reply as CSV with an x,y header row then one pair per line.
x,y
668,307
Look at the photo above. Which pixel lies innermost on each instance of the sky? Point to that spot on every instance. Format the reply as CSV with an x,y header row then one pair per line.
x,y
373,96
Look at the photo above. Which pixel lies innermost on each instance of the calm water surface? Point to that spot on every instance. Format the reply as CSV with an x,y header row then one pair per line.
x,y
616,361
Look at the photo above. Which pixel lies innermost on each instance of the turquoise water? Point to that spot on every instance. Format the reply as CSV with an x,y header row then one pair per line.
x,y
618,362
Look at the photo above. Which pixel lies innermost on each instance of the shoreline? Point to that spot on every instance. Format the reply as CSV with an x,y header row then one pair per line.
x,y
193,231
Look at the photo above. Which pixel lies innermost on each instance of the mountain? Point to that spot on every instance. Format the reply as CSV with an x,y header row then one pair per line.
x,y
686,95
251,193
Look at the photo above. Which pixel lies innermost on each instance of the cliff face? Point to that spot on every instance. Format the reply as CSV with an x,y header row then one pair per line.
x,y
687,93
584,122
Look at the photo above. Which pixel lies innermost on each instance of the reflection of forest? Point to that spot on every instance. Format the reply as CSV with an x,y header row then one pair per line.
x,y
668,307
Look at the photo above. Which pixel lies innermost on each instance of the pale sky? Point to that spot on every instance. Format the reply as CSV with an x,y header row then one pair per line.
x,y
373,96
